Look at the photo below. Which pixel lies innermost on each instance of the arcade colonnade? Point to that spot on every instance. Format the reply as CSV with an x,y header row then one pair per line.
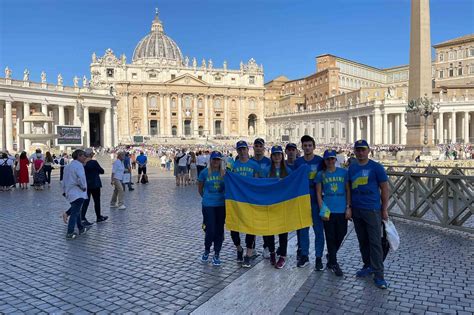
x,y
73,106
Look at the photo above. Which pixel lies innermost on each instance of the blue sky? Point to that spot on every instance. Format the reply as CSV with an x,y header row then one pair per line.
x,y
59,36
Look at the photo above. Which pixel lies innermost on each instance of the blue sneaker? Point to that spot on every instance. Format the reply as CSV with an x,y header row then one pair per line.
x,y
380,283
216,261
204,257
364,272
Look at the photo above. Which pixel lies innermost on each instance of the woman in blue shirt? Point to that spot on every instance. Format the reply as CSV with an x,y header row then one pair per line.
x,y
333,193
211,189
277,169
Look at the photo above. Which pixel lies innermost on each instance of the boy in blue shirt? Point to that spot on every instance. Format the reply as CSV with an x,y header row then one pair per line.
x,y
369,199
314,164
333,194
245,167
142,161
211,189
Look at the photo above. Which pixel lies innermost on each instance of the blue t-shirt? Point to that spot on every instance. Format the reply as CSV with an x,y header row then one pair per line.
x,y
249,168
290,166
333,188
126,162
141,159
364,181
213,192
264,165
314,166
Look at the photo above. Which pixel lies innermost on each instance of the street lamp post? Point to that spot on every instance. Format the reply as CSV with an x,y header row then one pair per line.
x,y
425,107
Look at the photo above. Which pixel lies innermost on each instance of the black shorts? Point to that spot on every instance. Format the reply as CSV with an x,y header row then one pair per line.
x,y
141,169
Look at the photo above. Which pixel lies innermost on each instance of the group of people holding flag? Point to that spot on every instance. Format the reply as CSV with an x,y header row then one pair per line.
x,y
294,195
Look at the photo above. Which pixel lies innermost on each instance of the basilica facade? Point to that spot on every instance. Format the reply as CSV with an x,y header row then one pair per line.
x,y
162,94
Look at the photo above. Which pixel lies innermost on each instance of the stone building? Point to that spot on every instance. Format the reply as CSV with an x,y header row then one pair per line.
x,y
345,100
162,94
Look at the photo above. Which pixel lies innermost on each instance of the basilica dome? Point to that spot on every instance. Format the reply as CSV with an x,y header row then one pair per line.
x,y
156,47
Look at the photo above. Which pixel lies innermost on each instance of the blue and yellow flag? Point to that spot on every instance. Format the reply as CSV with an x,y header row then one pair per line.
x,y
267,206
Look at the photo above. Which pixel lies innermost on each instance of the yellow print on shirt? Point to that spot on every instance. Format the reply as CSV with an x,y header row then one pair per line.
x,y
243,170
362,179
334,187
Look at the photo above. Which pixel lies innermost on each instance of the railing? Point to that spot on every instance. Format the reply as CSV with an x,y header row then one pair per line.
x,y
436,195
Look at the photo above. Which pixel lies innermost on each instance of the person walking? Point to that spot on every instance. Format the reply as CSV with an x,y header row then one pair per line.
x,y
116,181
369,200
333,193
24,177
93,170
127,175
7,179
278,169
142,161
74,186
48,167
62,163
192,169
314,164
211,189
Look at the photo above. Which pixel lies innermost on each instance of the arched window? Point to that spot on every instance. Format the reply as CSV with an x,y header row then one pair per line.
x,y
233,104
153,102
173,102
252,104
217,103
200,103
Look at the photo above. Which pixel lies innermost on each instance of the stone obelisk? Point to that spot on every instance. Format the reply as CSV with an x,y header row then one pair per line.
x,y
419,84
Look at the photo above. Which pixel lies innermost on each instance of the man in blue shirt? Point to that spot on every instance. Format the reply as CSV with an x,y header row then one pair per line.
x,y
291,151
314,164
142,161
369,198
264,168
245,167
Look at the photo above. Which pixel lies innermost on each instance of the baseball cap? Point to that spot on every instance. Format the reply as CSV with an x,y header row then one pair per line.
x,y
329,154
291,145
361,144
241,144
259,141
277,149
216,155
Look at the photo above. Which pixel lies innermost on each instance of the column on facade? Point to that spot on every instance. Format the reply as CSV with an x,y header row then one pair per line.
x,y
114,125
8,125
377,127
328,133
86,127
19,127
357,128
369,129
226,115
466,127
260,119
397,129
241,116
403,129
62,122
385,129
108,128
126,118
2,133
26,125
206,115
145,122
390,131
162,115
453,127
350,129
44,110
195,116
168,115
180,115
471,126
441,128
211,115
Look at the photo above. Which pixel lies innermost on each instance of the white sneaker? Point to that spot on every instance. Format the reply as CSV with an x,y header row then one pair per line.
x,y
266,253
113,206
122,207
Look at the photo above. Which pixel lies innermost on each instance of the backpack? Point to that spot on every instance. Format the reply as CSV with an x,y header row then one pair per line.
x,y
144,179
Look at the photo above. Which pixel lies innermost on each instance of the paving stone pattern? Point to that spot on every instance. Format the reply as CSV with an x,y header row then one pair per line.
x,y
146,259
431,272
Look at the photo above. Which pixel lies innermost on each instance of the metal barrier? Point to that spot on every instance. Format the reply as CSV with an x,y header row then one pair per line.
x,y
435,195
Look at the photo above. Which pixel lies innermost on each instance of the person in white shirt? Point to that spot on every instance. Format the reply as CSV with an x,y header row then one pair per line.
x,y
201,162
163,161
182,159
118,170
74,187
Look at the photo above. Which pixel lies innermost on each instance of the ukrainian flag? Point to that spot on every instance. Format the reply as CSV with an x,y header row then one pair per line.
x,y
267,206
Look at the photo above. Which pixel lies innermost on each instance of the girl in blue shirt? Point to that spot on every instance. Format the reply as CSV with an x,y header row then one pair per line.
x,y
211,189
333,192
277,169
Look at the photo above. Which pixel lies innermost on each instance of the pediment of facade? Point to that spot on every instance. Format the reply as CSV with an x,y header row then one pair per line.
x,y
187,79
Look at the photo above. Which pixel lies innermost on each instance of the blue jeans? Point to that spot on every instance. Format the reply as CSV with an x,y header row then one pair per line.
x,y
213,225
75,217
318,229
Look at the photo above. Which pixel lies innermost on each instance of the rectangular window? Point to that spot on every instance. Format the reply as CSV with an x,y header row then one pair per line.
x,y
173,76
200,77
451,55
440,57
471,52
134,75
251,79
451,72
460,71
233,79
152,75
343,132
441,74
110,73
459,54
471,70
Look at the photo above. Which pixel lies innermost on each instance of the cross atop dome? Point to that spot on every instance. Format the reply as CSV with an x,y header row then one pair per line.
x,y
156,26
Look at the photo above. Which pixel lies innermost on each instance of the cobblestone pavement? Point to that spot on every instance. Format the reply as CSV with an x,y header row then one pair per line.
x,y
146,259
